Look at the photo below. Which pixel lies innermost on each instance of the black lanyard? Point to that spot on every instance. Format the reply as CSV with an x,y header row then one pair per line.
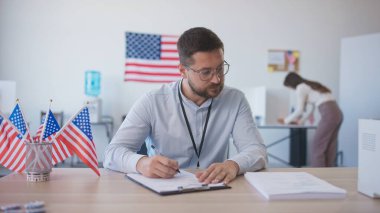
x,y
189,128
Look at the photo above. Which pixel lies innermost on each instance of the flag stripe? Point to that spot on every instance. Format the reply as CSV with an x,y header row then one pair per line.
x,y
165,55
8,134
143,69
72,142
170,58
169,51
134,64
47,152
11,151
19,159
152,62
11,156
73,146
148,81
60,152
55,158
77,136
65,151
69,140
86,144
168,42
152,73
152,78
14,158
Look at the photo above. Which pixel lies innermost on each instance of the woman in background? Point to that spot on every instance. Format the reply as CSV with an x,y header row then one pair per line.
x,y
324,145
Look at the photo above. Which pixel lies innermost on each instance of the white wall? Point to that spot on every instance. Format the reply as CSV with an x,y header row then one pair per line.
x,y
47,45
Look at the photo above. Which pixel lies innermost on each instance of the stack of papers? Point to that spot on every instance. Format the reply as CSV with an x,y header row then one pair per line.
x,y
293,185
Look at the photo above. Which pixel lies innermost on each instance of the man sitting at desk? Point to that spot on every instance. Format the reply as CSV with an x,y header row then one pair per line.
x,y
190,122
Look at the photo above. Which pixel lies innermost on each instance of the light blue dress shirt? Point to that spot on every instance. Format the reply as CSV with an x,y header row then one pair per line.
x,y
157,118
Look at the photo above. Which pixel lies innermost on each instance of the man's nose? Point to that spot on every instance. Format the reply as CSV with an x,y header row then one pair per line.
x,y
216,78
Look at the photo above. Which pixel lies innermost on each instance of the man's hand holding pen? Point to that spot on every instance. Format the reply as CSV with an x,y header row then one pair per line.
x,y
157,167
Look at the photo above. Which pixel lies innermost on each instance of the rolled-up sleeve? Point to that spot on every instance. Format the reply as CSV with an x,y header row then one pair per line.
x,y
120,154
251,150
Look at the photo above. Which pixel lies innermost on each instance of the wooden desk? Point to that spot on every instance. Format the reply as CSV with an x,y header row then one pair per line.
x,y
297,143
80,190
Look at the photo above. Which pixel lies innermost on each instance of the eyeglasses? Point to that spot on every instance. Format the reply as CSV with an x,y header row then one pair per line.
x,y
207,74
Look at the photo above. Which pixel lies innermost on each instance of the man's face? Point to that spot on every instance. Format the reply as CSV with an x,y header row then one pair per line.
x,y
206,61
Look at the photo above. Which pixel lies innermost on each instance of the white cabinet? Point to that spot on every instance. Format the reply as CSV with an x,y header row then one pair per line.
x,y
359,95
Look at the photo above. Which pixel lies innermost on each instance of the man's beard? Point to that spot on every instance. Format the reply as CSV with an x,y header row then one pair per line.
x,y
204,93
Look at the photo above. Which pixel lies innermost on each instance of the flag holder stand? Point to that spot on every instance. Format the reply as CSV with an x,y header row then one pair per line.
x,y
38,161
37,177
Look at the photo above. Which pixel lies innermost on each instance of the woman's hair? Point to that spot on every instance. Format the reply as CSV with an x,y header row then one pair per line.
x,y
197,39
292,80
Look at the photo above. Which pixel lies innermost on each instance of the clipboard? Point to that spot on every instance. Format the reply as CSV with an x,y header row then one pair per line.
x,y
184,182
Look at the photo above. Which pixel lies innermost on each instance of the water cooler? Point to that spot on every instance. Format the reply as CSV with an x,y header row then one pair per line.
x,y
92,91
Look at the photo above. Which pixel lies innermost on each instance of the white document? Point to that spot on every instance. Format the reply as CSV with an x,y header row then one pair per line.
x,y
276,58
180,183
293,185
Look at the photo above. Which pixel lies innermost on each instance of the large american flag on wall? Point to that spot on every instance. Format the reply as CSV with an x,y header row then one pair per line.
x,y
151,58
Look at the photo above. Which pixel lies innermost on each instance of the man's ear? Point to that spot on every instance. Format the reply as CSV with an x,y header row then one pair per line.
x,y
182,70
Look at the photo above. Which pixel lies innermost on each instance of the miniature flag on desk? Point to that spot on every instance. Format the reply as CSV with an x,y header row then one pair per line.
x,y
77,136
12,147
151,58
46,133
18,152
17,119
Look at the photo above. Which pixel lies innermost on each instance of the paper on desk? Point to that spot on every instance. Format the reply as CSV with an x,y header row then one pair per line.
x,y
183,179
293,185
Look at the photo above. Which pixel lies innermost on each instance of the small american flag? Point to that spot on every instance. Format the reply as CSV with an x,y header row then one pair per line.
x,y
15,160
77,136
10,151
17,119
151,58
37,136
47,131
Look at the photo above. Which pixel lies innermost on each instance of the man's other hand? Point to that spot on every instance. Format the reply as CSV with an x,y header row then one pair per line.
x,y
219,172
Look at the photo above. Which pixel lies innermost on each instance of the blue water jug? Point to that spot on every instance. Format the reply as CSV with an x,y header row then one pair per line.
x,y
92,83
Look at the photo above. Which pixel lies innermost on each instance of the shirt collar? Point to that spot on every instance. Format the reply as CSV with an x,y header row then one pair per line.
x,y
190,103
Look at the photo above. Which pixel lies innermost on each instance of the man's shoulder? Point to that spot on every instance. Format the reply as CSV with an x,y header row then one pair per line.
x,y
165,89
158,96
163,94
231,95
232,92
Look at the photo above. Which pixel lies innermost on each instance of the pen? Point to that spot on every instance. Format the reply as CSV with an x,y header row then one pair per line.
x,y
157,152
